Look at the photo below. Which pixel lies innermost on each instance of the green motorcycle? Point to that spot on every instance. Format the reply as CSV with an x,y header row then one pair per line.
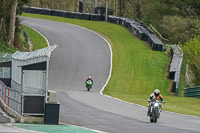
x,y
89,85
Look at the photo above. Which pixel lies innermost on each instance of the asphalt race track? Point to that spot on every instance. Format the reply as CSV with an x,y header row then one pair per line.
x,y
81,53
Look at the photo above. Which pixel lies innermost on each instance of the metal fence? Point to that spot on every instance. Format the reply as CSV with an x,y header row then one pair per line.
x,y
5,71
192,92
11,97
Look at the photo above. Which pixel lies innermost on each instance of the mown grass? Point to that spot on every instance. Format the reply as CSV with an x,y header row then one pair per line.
x,y
37,40
137,70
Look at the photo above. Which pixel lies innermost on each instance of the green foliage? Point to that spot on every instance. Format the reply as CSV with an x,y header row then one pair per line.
x,y
177,29
4,48
5,11
191,51
4,19
182,83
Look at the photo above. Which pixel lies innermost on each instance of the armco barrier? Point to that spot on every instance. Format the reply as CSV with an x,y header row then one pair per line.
x,y
86,16
46,11
175,66
69,15
154,42
192,92
76,15
55,13
139,30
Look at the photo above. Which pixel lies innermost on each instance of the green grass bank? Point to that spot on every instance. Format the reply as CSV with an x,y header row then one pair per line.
x,y
38,40
137,70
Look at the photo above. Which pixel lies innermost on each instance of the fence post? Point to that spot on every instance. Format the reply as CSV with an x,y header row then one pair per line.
x,y
5,94
2,91
8,97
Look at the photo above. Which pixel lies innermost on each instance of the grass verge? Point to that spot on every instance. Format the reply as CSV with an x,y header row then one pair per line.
x,y
137,70
37,40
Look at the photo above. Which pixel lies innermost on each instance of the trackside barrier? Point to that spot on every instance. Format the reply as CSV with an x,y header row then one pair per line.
x,y
139,30
67,14
175,66
10,97
192,92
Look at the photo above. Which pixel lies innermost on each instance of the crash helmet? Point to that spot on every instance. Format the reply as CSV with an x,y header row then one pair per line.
x,y
89,77
156,92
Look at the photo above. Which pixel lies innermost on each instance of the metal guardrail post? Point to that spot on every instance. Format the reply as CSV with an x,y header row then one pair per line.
x,y
106,12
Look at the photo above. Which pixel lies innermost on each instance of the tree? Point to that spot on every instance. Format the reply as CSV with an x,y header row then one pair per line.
x,y
4,19
121,6
191,50
11,33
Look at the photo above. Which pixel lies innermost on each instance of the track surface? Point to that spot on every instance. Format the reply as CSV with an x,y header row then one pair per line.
x,y
81,53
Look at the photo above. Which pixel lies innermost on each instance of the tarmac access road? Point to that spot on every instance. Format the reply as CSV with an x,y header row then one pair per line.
x,y
81,53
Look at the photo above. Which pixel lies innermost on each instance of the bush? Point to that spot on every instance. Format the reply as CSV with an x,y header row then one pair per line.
x,y
191,50
4,48
178,29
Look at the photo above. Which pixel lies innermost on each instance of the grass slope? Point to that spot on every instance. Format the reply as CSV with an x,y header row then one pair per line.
x,y
137,70
37,40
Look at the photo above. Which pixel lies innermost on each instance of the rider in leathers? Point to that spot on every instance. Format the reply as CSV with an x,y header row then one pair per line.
x,y
89,78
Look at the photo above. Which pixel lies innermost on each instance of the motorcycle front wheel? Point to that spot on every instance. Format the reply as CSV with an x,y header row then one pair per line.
x,y
151,119
155,116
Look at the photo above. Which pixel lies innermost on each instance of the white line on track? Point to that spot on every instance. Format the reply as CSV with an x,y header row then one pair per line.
x,y
41,35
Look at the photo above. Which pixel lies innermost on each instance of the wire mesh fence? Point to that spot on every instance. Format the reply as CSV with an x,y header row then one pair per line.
x,y
5,71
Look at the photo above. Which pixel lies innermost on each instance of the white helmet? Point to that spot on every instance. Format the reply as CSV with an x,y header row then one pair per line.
x,y
156,92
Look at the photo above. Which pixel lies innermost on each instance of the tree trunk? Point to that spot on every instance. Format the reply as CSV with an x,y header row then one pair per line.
x,y
11,34
1,24
121,4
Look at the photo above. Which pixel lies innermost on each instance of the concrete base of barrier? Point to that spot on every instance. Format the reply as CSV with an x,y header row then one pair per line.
x,y
18,117
34,120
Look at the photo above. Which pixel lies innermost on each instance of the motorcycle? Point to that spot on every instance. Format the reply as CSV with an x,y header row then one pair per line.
x,y
155,111
89,85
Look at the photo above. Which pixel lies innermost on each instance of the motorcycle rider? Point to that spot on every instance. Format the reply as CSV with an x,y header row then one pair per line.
x,y
89,79
155,95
